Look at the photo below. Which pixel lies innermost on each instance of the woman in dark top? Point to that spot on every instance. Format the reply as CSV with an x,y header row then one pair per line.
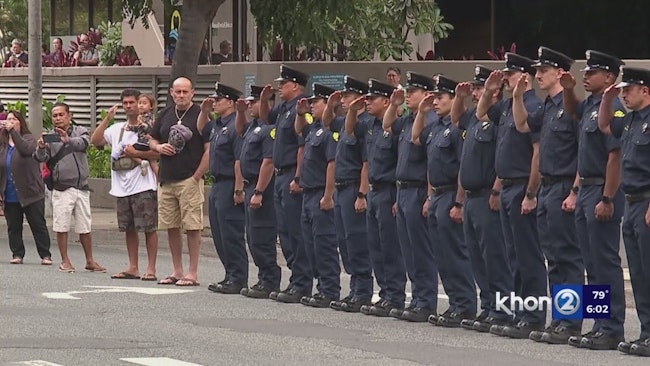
x,y
22,193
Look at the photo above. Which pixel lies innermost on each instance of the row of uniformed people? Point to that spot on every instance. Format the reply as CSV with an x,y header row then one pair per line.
x,y
404,172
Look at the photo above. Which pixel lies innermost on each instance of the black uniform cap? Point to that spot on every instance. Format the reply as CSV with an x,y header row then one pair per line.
x,y
481,74
634,75
414,80
549,57
321,91
444,85
224,91
378,89
602,61
351,84
515,62
289,74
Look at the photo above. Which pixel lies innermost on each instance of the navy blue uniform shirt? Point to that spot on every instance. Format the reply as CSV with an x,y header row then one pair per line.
x,y
479,152
514,149
225,146
351,149
320,149
381,147
411,158
257,146
558,145
285,149
634,131
593,145
444,144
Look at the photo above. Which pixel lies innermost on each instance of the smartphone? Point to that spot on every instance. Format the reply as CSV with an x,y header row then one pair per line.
x,y
51,137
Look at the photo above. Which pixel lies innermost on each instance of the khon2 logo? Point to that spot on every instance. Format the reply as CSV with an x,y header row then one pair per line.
x,y
567,301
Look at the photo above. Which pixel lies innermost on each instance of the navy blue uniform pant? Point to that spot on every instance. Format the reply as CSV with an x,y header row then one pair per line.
x,y
557,235
451,254
319,232
600,243
261,226
415,241
636,235
385,252
227,226
288,208
353,226
484,238
522,243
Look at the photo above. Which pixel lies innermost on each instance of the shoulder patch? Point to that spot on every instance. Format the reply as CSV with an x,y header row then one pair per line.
x,y
272,133
619,114
335,136
309,118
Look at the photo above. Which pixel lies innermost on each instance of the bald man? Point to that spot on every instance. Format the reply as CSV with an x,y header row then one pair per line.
x,y
183,161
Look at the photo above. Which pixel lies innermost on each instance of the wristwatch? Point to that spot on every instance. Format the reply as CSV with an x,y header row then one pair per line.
x,y
296,179
458,204
531,195
239,192
495,193
575,189
361,195
606,200
257,192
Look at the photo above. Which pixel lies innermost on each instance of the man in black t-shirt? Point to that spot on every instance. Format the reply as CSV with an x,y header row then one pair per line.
x,y
183,161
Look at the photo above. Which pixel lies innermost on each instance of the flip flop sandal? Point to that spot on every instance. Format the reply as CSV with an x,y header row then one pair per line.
x,y
169,280
125,276
188,282
149,277
46,261
66,269
16,261
95,269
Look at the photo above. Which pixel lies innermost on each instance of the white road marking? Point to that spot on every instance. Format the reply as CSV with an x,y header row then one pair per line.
x,y
36,363
158,361
99,289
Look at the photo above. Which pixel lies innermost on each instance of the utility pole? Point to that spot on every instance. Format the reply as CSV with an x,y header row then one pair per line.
x,y
35,79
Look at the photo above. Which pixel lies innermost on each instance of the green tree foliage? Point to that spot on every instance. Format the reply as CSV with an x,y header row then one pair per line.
x,y
349,30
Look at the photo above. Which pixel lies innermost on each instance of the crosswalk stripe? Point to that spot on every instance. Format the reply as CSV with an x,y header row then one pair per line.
x,y
36,363
158,361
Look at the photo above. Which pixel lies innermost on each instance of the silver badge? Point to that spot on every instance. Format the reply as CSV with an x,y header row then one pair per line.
x,y
560,113
644,127
257,129
288,114
386,134
593,116
447,132
224,130
477,70
485,125
319,132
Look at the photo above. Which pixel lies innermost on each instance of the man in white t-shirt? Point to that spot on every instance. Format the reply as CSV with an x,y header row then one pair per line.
x,y
137,203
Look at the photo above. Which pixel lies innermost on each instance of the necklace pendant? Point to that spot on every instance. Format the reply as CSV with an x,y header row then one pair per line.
x,y
179,122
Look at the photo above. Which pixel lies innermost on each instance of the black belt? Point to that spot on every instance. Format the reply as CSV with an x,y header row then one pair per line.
x,y
478,193
284,170
549,180
593,181
381,185
345,183
437,190
637,197
411,184
221,178
505,182
311,190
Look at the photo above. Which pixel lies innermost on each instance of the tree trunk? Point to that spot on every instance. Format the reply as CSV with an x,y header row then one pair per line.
x,y
35,79
196,17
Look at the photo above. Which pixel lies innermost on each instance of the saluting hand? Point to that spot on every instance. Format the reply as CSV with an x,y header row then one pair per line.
x,y
567,80
206,105
521,86
611,92
494,81
266,93
358,104
302,107
334,98
397,98
426,104
463,89
241,105
111,112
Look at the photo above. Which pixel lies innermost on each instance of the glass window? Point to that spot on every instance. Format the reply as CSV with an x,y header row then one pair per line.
x,y
80,13
62,18
100,9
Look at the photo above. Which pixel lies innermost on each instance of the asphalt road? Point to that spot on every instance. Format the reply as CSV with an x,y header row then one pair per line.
x,y
113,320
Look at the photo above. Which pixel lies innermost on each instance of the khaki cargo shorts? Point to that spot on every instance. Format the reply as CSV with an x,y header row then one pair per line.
x,y
180,205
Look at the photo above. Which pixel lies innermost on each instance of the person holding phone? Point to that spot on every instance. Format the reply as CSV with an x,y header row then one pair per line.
x,y
22,193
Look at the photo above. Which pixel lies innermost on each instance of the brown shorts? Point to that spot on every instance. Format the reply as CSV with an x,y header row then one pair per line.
x,y
138,212
181,205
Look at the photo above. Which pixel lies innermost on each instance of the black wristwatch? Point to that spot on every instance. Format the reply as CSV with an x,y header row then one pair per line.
x,y
458,204
495,193
575,189
296,179
606,200
239,192
531,195
257,192
361,195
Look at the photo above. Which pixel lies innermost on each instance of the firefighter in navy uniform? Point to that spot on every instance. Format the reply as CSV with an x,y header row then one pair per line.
x,y
600,201
317,182
515,163
226,210
411,174
351,181
381,154
444,204
256,164
287,152
481,220
634,132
